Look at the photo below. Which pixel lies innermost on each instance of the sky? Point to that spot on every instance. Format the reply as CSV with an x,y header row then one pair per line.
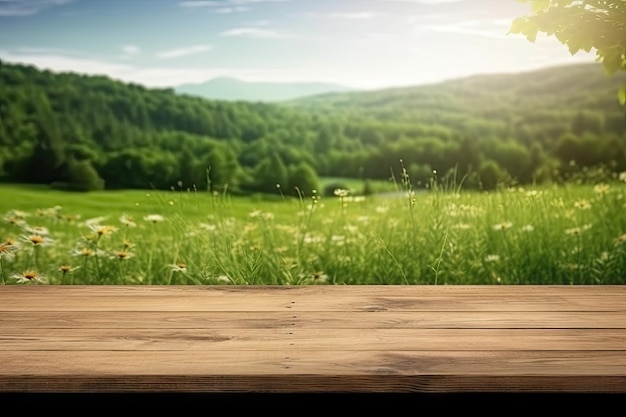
x,y
363,44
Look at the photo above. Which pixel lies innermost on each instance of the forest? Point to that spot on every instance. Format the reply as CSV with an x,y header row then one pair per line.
x,y
79,132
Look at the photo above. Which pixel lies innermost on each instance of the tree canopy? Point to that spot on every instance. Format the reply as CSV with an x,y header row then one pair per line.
x,y
587,25
84,132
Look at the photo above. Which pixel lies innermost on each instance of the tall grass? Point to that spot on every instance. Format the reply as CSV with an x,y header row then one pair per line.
x,y
571,234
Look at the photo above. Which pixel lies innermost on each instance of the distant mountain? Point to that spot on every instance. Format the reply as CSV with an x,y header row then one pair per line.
x,y
553,88
232,89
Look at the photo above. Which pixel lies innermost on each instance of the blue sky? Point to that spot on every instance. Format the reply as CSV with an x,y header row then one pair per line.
x,y
359,43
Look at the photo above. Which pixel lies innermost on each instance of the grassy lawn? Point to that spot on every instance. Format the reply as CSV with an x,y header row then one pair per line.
x,y
550,235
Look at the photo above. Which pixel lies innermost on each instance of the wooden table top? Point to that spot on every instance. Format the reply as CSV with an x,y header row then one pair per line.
x,y
306,339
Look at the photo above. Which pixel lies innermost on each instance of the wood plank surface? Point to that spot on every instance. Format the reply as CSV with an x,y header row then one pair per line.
x,y
308,339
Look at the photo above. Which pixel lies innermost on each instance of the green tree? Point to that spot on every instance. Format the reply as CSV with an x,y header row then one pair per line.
x,y
303,180
80,175
491,175
270,175
587,25
222,167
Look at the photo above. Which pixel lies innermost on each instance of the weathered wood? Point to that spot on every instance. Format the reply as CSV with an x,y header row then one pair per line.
x,y
308,339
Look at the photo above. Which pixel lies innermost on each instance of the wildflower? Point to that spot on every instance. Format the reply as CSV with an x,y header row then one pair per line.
x,y
50,212
12,242
122,255
71,218
154,218
224,278
14,220
102,230
37,230
208,227
312,238
601,189
7,250
502,226
95,220
350,228
576,231
64,269
338,240
492,258
17,214
85,252
341,192
127,221
128,244
622,176
255,213
620,239
319,277
178,267
528,228
28,277
583,204
37,240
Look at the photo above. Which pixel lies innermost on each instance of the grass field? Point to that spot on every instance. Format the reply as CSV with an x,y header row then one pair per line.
x,y
551,235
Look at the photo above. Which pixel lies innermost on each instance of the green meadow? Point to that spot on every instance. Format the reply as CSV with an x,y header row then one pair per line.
x,y
568,234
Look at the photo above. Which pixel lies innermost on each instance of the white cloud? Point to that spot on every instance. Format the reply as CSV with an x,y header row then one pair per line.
x,y
130,49
427,2
256,33
488,29
223,4
228,10
257,1
55,61
158,77
28,7
206,3
189,50
354,15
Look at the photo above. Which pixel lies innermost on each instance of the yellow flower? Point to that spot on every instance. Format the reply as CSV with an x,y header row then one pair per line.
x,y
601,189
583,204
67,268
28,277
123,255
621,238
102,230
37,240
178,267
7,250
86,252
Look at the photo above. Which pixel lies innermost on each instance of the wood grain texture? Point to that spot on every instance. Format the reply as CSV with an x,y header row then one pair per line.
x,y
307,339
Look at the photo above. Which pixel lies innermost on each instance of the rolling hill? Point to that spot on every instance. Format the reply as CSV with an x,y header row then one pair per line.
x,y
232,89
